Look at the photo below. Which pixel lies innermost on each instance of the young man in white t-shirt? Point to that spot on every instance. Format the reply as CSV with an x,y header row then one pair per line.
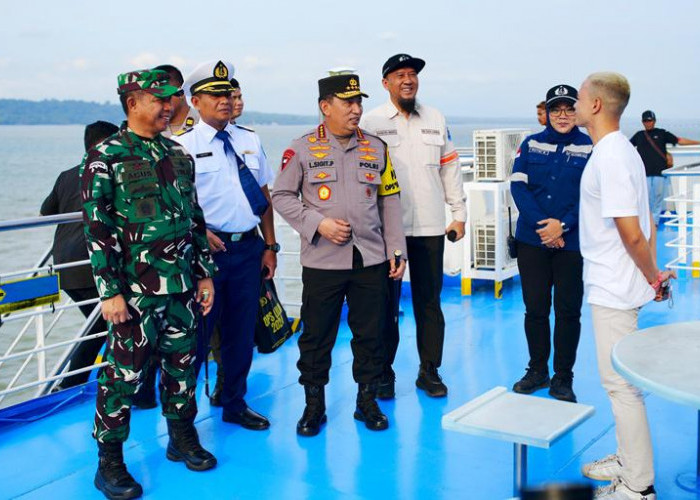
x,y
620,274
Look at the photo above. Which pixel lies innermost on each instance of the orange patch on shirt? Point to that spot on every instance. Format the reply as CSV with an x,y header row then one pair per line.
x,y
319,155
324,192
368,157
369,177
321,175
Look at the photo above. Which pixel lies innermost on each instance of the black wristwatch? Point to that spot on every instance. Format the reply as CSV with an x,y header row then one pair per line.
x,y
275,247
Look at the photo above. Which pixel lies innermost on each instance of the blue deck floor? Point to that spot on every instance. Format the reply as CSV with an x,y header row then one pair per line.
x,y
55,457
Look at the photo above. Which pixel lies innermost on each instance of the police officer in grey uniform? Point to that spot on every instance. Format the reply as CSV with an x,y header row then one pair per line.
x,y
349,219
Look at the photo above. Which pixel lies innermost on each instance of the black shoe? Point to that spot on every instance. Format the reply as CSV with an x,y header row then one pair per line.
x,y
112,478
561,388
429,380
531,382
314,415
368,411
215,398
184,446
247,419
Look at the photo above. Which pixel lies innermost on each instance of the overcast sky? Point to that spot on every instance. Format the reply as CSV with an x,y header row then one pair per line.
x,y
485,58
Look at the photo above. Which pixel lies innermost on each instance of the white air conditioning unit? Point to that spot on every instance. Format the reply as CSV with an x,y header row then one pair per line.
x,y
485,244
494,152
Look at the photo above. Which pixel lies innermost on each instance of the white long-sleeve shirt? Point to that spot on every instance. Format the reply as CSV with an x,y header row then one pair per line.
x,y
426,164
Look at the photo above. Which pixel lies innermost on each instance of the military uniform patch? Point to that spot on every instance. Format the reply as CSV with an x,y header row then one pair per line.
x,y
98,167
319,148
312,139
321,175
370,177
145,208
368,157
368,150
324,192
319,155
286,156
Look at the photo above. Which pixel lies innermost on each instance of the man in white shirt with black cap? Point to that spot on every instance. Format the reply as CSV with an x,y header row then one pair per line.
x,y
233,193
428,170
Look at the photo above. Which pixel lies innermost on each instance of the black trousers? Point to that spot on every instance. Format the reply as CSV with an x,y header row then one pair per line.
x,y
85,352
542,269
322,302
425,254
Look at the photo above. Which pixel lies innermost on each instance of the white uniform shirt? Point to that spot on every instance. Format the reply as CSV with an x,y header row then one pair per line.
x,y
426,164
221,196
613,185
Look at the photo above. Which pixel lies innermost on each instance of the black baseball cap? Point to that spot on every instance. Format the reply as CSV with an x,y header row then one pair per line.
x,y
402,61
561,93
648,116
341,86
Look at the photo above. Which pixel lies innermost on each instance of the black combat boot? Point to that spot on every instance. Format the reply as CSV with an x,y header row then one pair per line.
x,y
112,478
184,446
314,415
430,381
386,389
368,411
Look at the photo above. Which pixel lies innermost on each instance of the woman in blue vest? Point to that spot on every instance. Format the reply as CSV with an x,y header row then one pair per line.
x,y
545,187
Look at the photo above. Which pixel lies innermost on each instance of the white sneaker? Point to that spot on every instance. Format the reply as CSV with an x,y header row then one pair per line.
x,y
605,469
617,490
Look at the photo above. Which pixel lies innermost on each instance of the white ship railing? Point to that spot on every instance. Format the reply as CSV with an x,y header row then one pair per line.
x,y
37,332
686,200
34,327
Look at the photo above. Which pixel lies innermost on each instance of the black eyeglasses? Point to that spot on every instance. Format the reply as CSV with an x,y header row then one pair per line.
x,y
559,111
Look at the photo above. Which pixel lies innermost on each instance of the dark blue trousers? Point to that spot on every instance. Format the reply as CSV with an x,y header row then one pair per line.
x,y
236,303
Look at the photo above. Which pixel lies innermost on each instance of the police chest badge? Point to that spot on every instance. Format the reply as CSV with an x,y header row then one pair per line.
x,y
324,193
145,208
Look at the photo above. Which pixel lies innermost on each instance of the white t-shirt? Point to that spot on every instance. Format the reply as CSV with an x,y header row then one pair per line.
x,y
613,185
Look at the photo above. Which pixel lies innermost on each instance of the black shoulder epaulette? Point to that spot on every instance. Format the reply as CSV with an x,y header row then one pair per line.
x,y
244,128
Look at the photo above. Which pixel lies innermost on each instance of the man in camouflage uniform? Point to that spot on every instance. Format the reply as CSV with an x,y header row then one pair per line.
x,y
148,249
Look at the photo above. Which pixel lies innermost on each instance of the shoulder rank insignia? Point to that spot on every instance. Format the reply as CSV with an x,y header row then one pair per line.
x,y
286,157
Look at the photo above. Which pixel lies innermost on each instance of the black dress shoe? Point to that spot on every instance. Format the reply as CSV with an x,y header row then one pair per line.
x,y
247,419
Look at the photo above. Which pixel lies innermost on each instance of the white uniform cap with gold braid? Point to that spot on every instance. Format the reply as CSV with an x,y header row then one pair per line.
x,y
211,77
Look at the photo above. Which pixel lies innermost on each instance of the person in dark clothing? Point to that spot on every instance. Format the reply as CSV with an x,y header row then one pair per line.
x,y
651,146
69,246
545,187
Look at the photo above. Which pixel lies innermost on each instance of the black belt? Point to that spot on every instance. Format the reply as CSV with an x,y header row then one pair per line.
x,y
236,236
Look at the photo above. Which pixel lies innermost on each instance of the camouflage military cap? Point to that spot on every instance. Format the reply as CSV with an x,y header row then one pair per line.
x,y
153,81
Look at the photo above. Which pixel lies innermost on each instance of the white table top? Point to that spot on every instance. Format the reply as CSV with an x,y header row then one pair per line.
x,y
517,418
664,360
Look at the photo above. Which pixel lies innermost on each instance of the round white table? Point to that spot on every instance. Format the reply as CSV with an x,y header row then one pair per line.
x,y
665,360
